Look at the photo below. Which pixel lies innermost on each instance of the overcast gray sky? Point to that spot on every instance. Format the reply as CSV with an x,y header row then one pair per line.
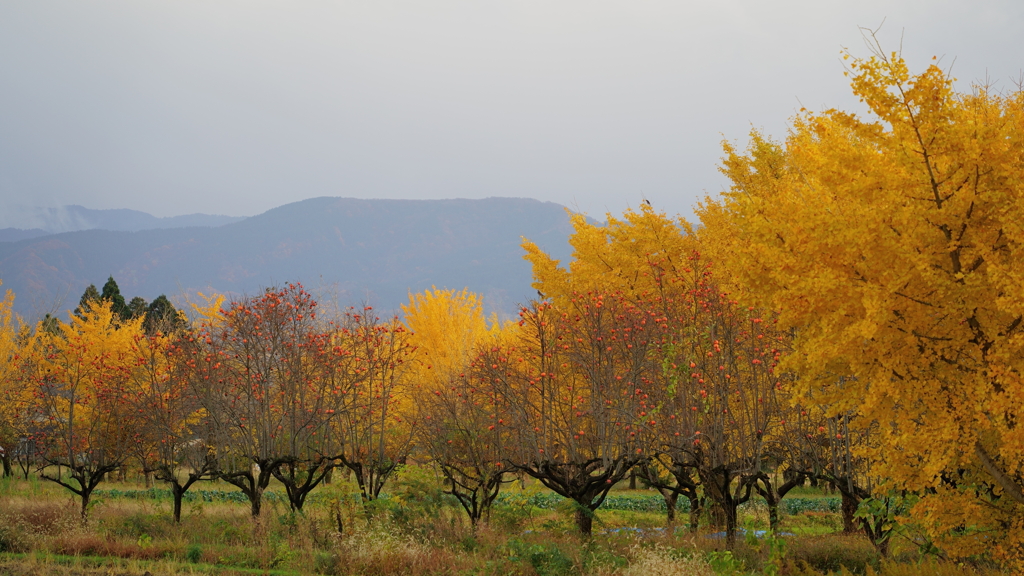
x,y
235,107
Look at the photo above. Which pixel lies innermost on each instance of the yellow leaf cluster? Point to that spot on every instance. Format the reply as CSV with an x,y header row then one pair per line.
x,y
636,255
445,326
893,247
16,396
81,371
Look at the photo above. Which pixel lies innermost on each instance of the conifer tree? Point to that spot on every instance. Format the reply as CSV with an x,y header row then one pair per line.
x,y
111,293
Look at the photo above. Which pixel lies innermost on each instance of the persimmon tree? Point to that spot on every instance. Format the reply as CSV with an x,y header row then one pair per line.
x,y
891,243
641,255
80,373
721,397
457,429
722,405
710,428
260,381
672,475
572,386
312,406
456,416
845,464
171,441
374,428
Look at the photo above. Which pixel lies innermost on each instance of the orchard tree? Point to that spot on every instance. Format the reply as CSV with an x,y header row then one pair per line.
x,y
672,475
312,406
456,416
656,264
375,424
172,440
892,245
722,406
259,381
573,390
721,396
835,448
457,428
642,256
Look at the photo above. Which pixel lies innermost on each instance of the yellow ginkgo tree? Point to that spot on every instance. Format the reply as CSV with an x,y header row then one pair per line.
x,y
641,255
893,246
16,395
80,374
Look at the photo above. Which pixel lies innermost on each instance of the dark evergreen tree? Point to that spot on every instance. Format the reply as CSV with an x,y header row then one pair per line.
x,y
162,316
112,294
137,307
90,296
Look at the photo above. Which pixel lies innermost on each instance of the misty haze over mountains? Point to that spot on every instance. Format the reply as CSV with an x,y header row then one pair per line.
x,y
349,249
35,222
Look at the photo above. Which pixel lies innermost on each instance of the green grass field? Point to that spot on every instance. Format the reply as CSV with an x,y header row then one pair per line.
x,y
130,532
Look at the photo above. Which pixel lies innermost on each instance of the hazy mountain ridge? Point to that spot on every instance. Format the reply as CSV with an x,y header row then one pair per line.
x,y
376,249
75,218
15,234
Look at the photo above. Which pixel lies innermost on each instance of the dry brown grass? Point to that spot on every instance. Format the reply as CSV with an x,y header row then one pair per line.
x,y
663,561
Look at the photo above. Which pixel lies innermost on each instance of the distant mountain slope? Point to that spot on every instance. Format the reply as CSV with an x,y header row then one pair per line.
x,y
15,234
381,249
74,218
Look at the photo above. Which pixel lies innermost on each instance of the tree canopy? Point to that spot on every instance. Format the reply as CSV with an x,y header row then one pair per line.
x,y
891,245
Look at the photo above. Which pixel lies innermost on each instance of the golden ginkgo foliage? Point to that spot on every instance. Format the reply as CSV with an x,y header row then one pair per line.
x,y
643,254
79,374
445,327
893,245
16,396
